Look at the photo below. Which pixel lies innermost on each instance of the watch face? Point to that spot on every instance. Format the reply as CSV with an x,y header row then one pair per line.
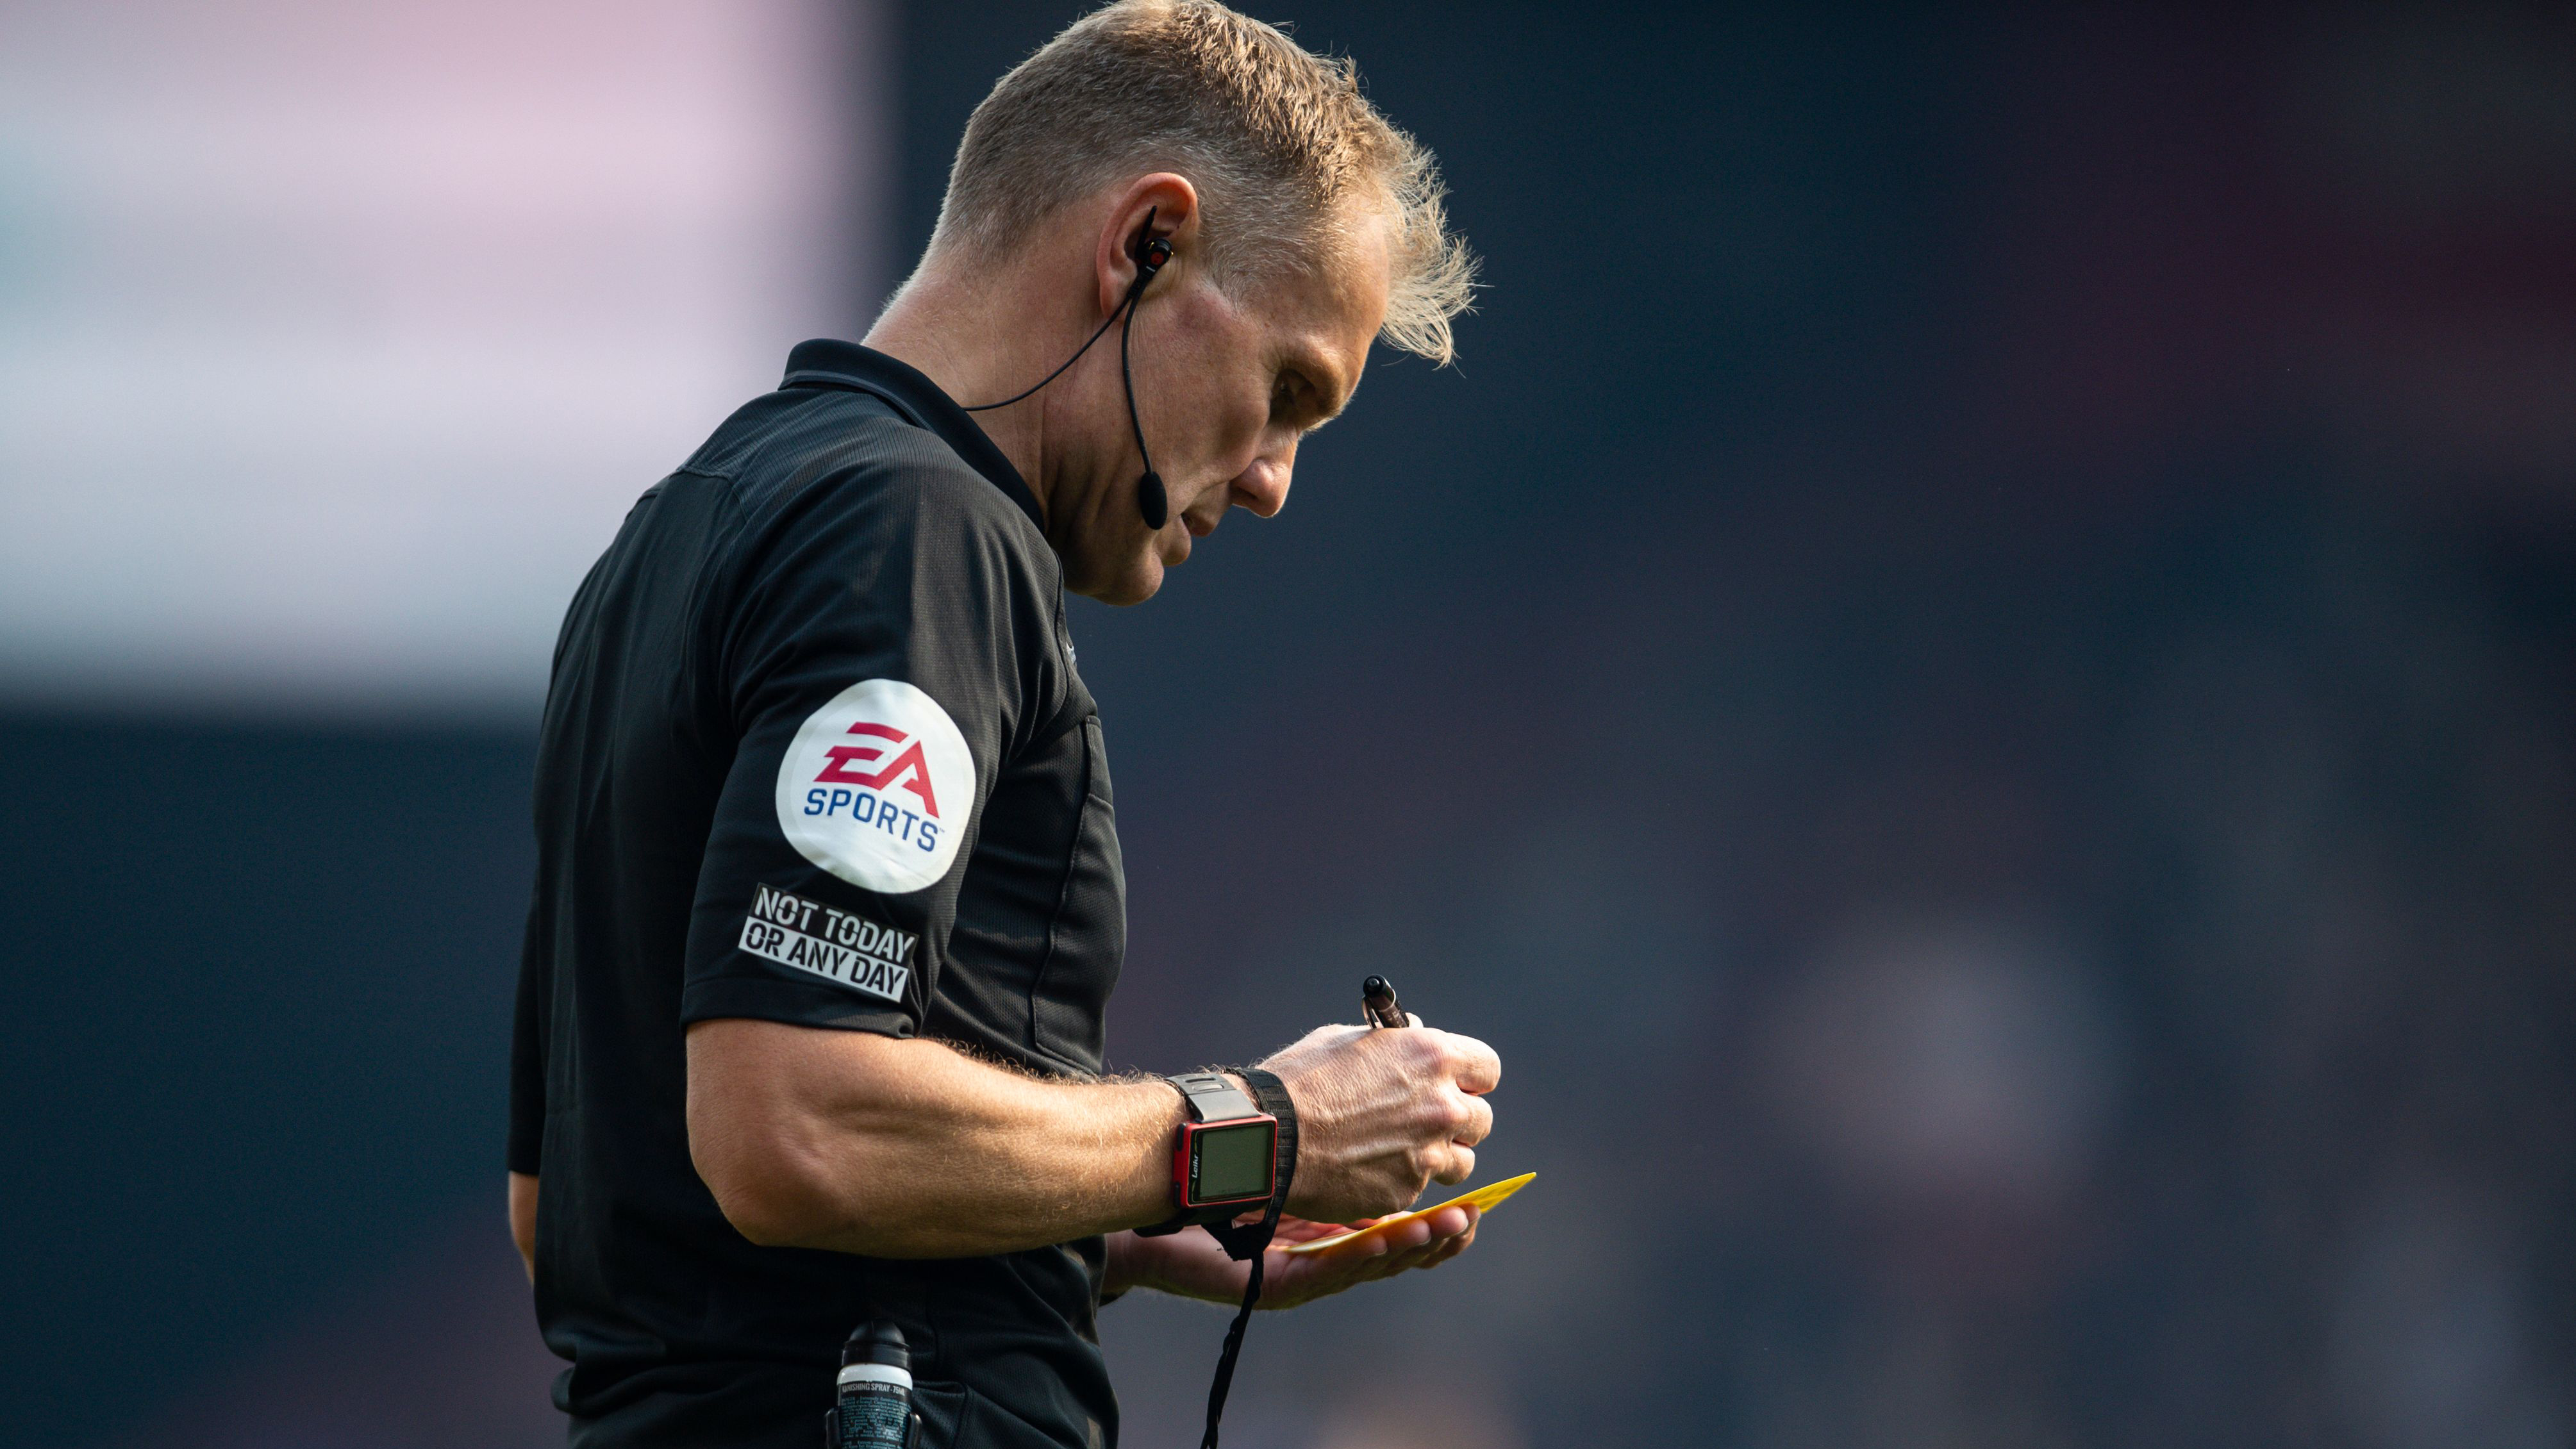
x,y
1231,1161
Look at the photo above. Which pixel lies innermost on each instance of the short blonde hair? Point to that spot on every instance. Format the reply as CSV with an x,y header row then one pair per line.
x,y
1280,144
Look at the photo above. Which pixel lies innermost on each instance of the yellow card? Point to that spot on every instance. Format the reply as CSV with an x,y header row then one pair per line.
x,y
1482,1200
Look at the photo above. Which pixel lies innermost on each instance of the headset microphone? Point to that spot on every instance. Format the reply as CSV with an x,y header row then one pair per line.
x,y
1151,254
1150,498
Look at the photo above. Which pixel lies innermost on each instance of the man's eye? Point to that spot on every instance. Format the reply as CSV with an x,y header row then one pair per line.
x,y
1288,402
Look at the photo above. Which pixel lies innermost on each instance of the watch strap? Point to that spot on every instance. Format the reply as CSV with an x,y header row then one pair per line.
x,y
1246,1240
1272,1095
1212,1098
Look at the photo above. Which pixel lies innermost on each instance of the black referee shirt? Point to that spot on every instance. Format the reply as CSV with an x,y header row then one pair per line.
x,y
814,752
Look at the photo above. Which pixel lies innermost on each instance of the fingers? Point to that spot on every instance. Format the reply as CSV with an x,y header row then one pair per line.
x,y
1471,1119
1400,1238
1465,1121
1472,1064
1425,1242
1402,1251
1429,1242
1448,1248
1453,1241
1457,1164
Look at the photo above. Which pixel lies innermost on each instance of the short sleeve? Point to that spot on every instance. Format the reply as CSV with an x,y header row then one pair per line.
x,y
876,654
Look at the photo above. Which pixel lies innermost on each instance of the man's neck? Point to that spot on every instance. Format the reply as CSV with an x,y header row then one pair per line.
x,y
983,344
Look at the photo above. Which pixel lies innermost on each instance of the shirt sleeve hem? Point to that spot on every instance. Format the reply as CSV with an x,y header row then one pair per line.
x,y
795,1003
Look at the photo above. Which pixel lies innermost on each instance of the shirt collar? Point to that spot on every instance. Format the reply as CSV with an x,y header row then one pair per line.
x,y
827,363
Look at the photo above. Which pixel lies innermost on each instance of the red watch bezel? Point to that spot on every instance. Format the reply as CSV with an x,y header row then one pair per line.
x,y
1185,1152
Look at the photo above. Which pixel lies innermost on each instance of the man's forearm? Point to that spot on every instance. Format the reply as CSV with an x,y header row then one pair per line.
x,y
523,1220
907,1149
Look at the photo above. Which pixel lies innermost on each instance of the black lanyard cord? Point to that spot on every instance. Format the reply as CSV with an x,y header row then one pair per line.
x,y
1234,1334
1247,1243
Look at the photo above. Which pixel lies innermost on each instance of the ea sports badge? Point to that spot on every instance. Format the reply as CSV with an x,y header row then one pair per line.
x,y
877,787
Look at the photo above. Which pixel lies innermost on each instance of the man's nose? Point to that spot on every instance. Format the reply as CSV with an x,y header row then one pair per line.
x,y
1263,487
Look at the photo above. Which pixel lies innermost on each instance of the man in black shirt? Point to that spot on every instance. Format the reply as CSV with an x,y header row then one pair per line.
x,y
829,902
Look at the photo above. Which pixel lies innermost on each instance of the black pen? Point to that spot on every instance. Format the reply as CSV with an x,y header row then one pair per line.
x,y
1378,1005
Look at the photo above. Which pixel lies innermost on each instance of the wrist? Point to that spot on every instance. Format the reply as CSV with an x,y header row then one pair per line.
x,y
1145,1197
1233,1154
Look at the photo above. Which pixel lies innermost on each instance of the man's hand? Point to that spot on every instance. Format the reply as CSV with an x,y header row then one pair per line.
x,y
1191,1265
1382,1114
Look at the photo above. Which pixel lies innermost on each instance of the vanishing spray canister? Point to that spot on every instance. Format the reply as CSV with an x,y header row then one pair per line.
x,y
875,1408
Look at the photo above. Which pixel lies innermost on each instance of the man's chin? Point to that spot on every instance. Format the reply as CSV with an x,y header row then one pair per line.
x,y
1142,576
1135,585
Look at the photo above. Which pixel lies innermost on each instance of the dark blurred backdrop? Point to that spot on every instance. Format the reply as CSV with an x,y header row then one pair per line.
x,y
1973,678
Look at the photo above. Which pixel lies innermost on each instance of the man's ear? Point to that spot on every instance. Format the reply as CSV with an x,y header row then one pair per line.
x,y
1173,204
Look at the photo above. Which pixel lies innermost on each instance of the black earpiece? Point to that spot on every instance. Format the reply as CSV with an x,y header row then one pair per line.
x,y
1151,254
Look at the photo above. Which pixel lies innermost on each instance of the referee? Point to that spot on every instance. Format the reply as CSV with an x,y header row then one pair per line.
x,y
828,903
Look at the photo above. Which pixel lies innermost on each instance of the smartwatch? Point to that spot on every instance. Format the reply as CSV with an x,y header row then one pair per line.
x,y
1225,1158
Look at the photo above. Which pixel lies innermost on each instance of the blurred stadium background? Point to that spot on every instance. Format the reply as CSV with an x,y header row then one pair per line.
x,y
1974,679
